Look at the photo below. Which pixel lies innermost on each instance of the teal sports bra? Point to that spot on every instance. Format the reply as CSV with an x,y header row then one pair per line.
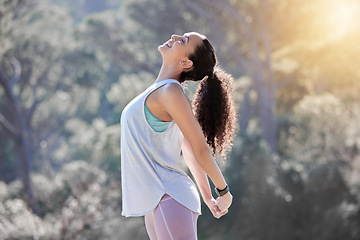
x,y
156,124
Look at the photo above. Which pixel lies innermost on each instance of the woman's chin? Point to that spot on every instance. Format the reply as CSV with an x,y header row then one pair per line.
x,y
162,49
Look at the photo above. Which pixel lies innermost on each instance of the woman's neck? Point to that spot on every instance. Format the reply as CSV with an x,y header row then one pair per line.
x,y
168,72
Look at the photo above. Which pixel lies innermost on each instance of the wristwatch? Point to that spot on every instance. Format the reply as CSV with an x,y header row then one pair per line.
x,y
221,193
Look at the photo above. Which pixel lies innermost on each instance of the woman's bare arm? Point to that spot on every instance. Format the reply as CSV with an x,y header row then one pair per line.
x,y
201,179
177,105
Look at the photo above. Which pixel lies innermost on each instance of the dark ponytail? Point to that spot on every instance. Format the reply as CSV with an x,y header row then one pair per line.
x,y
213,104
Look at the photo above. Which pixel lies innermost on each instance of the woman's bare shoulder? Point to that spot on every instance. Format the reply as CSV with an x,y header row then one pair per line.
x,y
172,91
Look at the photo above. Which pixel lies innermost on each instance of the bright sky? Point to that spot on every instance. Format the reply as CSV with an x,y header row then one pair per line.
x,y
340,17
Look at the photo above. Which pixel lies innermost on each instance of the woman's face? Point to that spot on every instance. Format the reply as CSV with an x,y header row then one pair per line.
x,y
180,47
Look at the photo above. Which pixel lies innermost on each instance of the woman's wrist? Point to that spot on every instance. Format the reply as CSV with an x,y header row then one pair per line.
x,y
222,192
207,198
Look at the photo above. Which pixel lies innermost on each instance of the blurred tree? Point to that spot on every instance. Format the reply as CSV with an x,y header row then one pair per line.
x,y
30,74
313,128
109,37
244,33
277,44
81,202
81,9
95,143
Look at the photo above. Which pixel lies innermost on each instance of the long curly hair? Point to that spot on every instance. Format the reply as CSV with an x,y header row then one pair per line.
x,y
213,104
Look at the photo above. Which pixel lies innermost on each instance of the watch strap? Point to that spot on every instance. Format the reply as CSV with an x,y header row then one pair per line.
x,y
222,192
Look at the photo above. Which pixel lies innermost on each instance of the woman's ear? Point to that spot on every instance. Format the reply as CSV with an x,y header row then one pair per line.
x,y
187,63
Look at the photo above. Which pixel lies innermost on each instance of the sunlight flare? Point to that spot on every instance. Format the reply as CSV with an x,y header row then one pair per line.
x,y
340,18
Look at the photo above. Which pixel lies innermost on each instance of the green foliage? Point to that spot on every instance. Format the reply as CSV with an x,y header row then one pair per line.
x,y
128,86
81,9
96,143
313,128
78,203
281,199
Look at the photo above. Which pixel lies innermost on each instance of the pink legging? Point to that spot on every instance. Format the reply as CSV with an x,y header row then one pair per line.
x,y
170,220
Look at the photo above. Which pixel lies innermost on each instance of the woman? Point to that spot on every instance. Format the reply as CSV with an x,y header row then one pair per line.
x,y
158,124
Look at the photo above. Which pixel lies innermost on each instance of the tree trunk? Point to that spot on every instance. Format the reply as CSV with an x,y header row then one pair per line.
x,y
20,133
245,112
267,119
22,144
264,86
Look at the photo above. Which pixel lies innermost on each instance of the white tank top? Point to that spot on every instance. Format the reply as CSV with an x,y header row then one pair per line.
x,y
149,162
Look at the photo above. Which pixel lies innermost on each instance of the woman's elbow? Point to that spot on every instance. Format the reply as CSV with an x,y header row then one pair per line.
x,y
201,152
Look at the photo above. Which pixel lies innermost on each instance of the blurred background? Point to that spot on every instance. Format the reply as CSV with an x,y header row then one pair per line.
x,y
68,68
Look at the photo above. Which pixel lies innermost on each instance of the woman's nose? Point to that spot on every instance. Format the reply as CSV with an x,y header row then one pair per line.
x,y
174,37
